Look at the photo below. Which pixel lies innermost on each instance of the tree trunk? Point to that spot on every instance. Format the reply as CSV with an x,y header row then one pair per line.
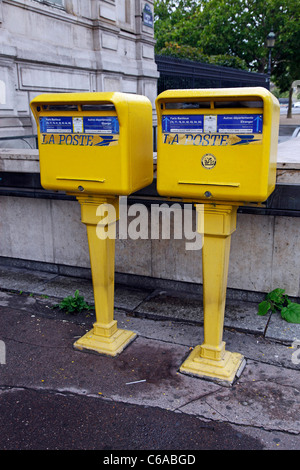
x,y
289,111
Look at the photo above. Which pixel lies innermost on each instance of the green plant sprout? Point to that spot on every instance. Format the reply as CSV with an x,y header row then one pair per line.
x,y
277,300
74,304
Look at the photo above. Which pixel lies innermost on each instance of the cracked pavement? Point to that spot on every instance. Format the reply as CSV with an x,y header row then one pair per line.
x,y
42,369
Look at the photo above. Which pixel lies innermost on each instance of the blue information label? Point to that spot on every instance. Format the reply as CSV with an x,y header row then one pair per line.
x,y
56,124
101,124
182,123
222,123
79,125
240,123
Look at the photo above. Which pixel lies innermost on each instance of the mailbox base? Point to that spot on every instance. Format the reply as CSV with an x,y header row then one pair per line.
x,y
225,370
107,346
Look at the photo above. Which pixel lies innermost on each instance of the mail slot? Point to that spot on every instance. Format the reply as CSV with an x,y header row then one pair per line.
x,y
217,144
94,143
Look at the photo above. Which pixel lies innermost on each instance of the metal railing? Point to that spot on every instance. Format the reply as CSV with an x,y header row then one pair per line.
x,y
182,73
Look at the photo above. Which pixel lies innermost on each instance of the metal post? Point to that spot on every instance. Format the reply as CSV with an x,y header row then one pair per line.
x,y
210,359
105,338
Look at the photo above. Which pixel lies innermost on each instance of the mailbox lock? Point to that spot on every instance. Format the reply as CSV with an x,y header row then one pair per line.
x,y
208,161
207,194
81,188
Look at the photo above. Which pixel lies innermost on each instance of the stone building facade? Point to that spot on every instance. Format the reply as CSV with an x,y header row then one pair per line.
x,y
49,46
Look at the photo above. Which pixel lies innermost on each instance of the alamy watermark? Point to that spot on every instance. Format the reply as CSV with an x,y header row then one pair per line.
x,y
160,221
2,352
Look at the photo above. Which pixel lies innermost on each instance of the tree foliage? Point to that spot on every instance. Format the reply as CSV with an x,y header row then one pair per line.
x,y
175,22
194,53
233,29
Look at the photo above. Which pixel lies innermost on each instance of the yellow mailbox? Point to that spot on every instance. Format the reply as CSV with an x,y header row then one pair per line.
x,y
217,144
217,148
96,143
97,146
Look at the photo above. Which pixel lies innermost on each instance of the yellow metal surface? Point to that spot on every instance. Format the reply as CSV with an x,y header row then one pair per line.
x,y
217,147
107,346
96,143
97,146
223,370
211,359
217,144
105,337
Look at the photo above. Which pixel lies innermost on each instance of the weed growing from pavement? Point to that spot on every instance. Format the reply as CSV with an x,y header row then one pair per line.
x,y
74,304
276,301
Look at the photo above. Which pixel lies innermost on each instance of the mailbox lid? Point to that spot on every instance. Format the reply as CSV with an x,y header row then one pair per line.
x,y
217,143
85,142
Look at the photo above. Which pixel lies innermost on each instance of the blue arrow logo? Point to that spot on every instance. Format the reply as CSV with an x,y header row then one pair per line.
x,y
106,140
115,125
166,122
258,122
245,139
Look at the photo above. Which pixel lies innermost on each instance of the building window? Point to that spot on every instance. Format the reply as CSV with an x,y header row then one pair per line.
x,y
52,2
124,11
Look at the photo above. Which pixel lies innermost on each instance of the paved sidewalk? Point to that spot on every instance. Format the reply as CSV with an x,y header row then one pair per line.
x,y
294,120
289,151
289,147
53,396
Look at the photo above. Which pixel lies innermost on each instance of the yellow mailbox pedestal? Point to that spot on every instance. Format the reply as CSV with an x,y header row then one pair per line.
x,y
97,146
105,337
211,359
218,149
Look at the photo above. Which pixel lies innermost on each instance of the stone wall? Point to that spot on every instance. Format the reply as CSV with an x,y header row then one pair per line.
x,y
70,46
264,250
264,255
